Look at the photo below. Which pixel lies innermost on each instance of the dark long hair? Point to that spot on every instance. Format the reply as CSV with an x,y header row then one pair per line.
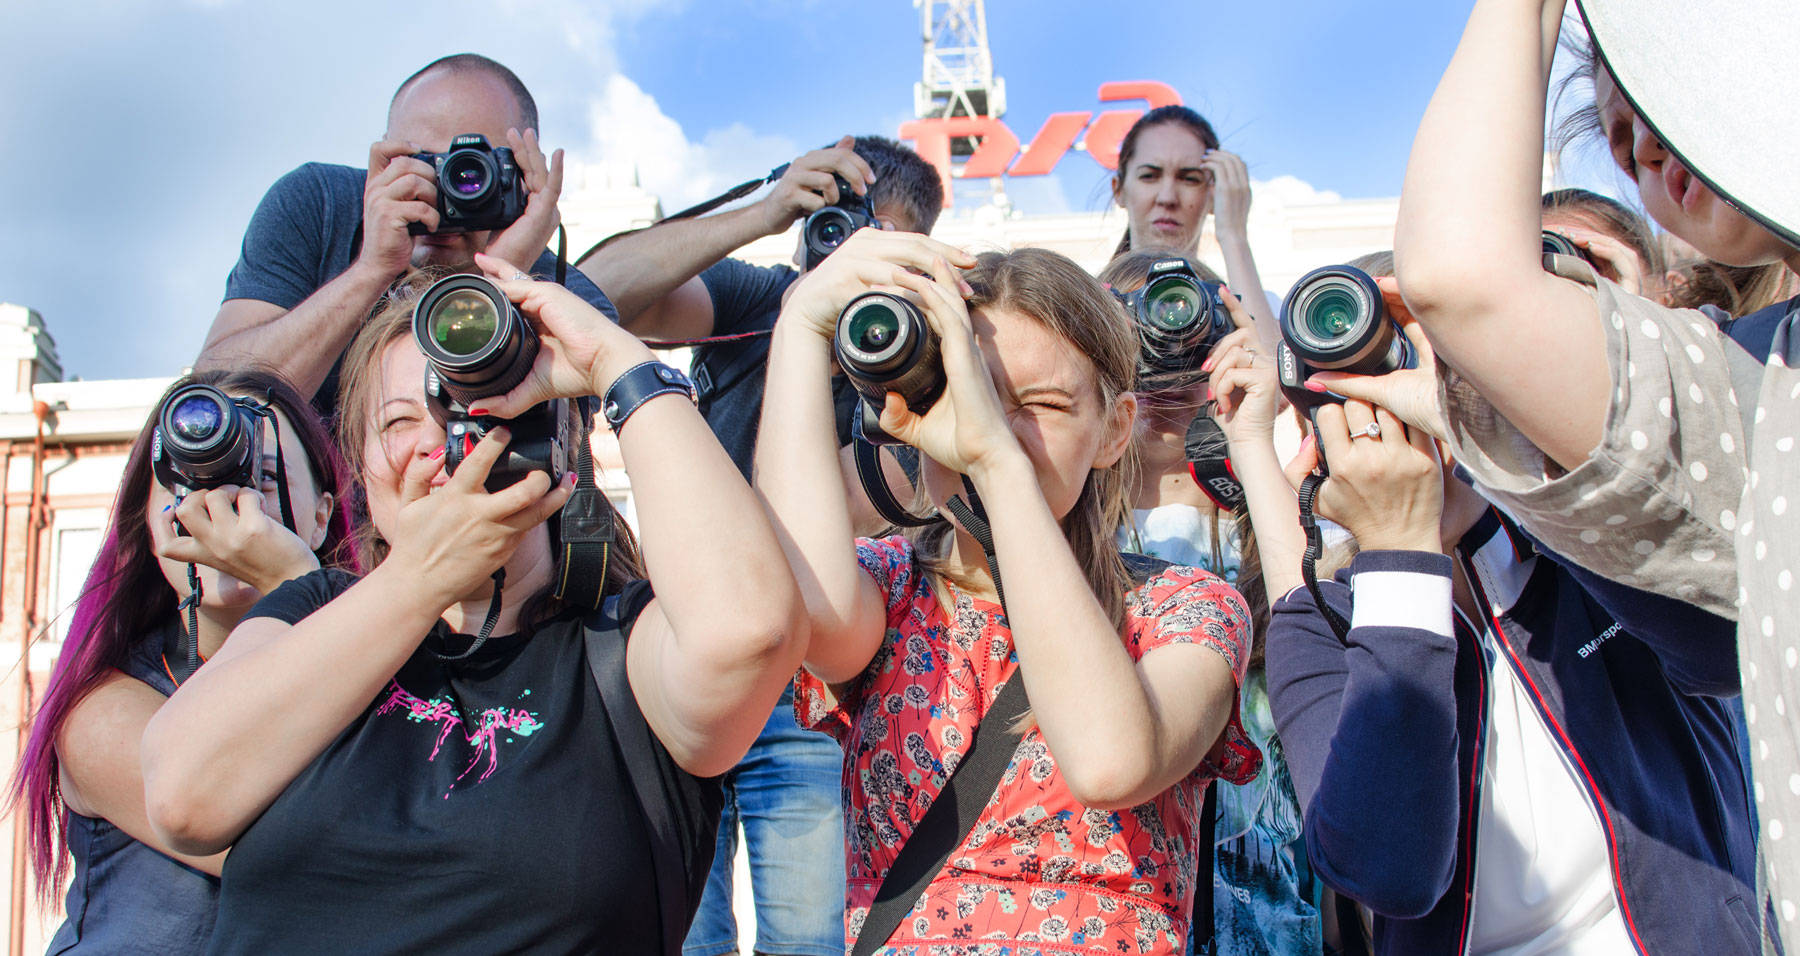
x,y
126,599
1180,115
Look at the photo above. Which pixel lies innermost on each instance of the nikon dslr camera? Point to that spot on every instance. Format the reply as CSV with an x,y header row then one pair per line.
x,y
478,187
477,346
1334,321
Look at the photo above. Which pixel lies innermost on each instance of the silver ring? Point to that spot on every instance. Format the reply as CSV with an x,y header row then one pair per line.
x,y
1371,430
521,277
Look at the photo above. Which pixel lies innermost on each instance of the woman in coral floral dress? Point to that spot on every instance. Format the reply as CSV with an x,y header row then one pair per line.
x,y
1089,845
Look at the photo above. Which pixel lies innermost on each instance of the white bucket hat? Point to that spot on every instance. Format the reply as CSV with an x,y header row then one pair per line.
x,y
1718,82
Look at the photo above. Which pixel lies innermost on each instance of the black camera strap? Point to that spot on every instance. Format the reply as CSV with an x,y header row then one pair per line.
x,y
487,624
1315,547
733,194
587,533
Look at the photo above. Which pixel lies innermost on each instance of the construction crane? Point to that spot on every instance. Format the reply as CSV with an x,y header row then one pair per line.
x,y
959,71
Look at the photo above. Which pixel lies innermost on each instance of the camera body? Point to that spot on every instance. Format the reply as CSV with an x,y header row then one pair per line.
x,y
1334,321
884,344
478,187
1179,319
206,439
827,228
1555,243
477,346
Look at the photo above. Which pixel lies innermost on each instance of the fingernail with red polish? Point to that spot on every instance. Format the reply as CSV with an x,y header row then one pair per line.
x,y
478,411
437,453
1314,387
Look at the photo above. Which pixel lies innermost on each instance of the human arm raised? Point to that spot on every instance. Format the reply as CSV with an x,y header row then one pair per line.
x,y
1169,707
305,341
709,656
1231,227
652,275
1467,246
213,761
798,468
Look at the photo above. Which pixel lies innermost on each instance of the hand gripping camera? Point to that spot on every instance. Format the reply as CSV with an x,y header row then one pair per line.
x,y
1179,320
478,346
478,187
206,439
1334,321
884,344
827,228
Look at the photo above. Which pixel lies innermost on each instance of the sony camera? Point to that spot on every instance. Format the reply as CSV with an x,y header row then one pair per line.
x,y
827,228
1334,321
206,439
477,346
478,187
1179,320
884,344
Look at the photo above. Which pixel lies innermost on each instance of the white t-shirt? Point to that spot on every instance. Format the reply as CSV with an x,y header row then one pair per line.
x,y
1182,535
1543,883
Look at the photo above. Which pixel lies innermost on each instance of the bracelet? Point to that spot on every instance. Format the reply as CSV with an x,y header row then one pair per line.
x,y
639,384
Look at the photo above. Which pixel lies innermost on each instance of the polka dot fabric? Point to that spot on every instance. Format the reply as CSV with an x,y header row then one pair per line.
x,y
1678,499
1039,873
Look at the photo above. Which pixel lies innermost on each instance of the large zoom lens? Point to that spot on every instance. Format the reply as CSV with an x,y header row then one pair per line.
x,y
884,345
471,334
468,174
1334,320
206,440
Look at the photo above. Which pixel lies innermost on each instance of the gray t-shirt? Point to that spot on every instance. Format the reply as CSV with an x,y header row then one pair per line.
x,y
308,229
1693,492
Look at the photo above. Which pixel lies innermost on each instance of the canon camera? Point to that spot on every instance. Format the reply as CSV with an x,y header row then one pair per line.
x,y
478,346
478,187
1179,320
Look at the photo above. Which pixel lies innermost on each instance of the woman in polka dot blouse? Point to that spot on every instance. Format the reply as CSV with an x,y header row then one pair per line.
x,y
1648,444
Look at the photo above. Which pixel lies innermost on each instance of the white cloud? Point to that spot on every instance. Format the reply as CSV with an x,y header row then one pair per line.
x,y
1292,191
630,132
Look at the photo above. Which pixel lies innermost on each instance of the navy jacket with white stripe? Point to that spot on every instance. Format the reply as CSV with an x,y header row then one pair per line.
x,y
1384,736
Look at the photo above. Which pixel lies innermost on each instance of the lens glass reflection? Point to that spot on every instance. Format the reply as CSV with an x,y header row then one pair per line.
x,y
463,322
1173,305
1331,314
874,329
197,418
467,175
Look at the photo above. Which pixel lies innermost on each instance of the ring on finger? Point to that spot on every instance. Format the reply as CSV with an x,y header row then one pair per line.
x,y
520,277
1371,430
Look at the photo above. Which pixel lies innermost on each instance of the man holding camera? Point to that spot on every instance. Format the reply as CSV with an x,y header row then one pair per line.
x,y
673,282
459,171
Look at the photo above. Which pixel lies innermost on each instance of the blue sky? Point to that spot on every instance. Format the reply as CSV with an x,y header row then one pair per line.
x,y
145,132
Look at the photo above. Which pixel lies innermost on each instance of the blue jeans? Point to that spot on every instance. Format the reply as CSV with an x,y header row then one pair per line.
x,y
785,792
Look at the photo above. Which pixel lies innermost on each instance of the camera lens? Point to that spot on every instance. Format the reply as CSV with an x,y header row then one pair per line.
x,y
196,419
884,345
206,440
874,329
1334,321
464,322
477,342
1330,314
467,174
1556,242
832,233
1172,305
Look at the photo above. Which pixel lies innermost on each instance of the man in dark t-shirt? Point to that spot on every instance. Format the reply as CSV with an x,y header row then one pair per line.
x,y
673,282
327,242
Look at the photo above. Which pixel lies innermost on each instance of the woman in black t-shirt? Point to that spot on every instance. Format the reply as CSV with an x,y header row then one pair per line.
x,y
392,785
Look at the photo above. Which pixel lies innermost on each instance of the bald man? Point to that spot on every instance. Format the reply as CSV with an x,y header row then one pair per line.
x,y
328,242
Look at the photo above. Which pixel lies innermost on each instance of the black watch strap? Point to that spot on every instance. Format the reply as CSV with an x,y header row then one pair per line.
x,y
639,384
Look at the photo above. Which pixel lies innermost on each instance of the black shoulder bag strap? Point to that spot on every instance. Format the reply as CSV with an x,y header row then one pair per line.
x,y
952,815
637,744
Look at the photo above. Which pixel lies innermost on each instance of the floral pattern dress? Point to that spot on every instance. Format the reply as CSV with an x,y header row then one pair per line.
x,y
1039,873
